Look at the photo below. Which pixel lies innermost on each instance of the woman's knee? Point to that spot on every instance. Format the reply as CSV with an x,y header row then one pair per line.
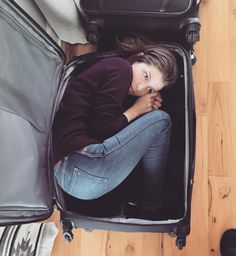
x,y
162,121
159,116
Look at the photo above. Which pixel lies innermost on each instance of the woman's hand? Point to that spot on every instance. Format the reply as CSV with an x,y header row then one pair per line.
x,y
143,104
157,101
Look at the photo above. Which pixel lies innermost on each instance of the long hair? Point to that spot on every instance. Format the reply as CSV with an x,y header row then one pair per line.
x,y
140,49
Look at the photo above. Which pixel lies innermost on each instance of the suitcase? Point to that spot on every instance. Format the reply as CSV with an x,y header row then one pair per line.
x,y
169,20
33,79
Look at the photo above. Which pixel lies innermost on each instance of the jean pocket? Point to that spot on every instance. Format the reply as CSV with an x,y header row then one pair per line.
x,y
81,178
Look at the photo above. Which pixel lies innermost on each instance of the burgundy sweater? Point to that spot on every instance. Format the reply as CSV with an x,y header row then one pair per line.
x,y
92,107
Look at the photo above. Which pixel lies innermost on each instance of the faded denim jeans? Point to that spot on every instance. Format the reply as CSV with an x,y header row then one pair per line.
x,y
98,168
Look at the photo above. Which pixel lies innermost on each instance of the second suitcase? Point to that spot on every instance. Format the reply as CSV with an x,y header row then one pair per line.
x,y
168,20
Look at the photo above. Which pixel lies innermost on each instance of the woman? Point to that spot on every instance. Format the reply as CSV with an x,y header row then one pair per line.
x,y
109,120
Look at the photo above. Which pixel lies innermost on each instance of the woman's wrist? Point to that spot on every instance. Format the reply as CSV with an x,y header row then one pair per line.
x,y
130,114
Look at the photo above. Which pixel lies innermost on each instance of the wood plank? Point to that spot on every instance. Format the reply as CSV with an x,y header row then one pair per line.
x,y
232,49
232,94
218,40
198,239
220,210
94,243
72,50
220,130
232,9
133,244
199,69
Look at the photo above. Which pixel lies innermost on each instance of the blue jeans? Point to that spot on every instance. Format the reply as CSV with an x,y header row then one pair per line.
x,y
98,168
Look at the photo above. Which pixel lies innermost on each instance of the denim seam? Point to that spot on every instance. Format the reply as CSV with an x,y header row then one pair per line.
x,y
72,183
133,136
87,173
85,153
63,172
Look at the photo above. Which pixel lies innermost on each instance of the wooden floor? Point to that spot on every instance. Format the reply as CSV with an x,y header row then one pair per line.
x,y
214,194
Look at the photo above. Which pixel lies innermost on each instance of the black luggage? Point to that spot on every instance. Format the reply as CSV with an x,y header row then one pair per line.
x,y
169,20
32,82
227,243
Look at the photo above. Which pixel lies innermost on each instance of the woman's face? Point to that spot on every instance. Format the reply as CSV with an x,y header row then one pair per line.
x,y
146,79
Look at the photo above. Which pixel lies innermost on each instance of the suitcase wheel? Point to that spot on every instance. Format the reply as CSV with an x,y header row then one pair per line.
x,y
67,230
92,34
193,57
180,242
192,33
68,236
92,38
192,37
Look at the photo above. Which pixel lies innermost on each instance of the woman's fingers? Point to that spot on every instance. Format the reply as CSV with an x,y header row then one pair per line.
x,y
154,100
156,104
158,98
148,102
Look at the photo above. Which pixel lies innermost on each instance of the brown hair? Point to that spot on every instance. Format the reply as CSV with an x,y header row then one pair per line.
x,y
141,50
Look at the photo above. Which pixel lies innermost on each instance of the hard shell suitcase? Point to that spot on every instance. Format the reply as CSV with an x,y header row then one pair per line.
x,y
32,81
168,19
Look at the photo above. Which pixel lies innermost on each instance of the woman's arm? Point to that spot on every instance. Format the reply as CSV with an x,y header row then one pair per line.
x,y
107,116
142,105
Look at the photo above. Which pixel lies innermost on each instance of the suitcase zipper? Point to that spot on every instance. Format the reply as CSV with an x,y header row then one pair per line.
x,y
40,29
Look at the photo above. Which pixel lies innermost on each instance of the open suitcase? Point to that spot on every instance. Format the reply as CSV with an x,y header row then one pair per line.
x,y
32,80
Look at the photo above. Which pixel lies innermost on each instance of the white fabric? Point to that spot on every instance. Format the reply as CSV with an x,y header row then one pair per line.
x,y
29,239
63,17
31,8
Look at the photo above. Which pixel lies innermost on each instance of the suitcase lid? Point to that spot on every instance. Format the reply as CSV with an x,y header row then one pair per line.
x,y
32,65
155,7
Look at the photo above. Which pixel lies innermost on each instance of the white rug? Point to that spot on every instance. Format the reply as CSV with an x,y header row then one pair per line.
x,y
34,239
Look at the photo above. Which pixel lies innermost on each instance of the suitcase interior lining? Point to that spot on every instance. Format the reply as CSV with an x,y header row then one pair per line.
x,y
30,73
109,205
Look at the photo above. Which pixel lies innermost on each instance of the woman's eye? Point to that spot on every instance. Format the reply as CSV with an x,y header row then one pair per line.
x,y
145,76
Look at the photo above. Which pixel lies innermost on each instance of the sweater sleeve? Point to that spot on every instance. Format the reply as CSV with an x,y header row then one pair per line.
x,y
91,109
108,117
